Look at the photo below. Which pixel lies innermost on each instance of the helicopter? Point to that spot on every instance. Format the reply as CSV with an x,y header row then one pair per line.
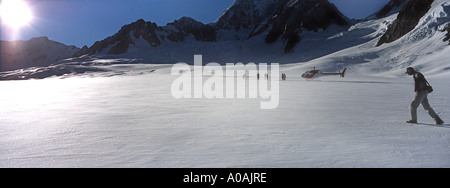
x,y
317,73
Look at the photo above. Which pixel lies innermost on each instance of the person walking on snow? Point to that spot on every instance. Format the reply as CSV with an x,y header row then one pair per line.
x,y
421,97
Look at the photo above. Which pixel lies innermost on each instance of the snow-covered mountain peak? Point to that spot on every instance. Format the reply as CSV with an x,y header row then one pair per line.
x,y
247,14
292,16
141,36
271,18
312,32
188,26
188,20
121,41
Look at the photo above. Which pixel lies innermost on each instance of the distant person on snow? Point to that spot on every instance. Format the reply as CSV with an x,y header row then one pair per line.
x,y
421,97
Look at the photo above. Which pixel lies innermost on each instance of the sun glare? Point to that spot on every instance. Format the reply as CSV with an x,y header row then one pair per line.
x,y
15,13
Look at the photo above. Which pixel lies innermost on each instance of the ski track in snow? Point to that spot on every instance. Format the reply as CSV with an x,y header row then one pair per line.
x,y
133,121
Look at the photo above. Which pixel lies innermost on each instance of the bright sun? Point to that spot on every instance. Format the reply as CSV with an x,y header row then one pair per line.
x,y
15,13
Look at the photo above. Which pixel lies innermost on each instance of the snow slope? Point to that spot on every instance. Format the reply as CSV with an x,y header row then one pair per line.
x,y
132,120
422,48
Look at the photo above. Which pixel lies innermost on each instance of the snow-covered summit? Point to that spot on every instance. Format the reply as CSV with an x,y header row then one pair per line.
x,y
283,18
187,26
247,14
293,16
141,36
120,42
275,20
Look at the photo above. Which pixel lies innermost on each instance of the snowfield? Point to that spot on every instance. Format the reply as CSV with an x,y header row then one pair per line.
x,y
117,111
133,121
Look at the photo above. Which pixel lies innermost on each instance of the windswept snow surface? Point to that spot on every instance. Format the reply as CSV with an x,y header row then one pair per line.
x,y
127,117
133,121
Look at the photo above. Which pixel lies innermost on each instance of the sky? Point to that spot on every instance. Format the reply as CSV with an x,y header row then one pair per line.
x,y
82,22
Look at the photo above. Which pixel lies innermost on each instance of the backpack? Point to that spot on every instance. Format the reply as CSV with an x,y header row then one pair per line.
x,y
429,88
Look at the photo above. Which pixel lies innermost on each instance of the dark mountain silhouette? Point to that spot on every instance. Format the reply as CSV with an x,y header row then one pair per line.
x,y
39,51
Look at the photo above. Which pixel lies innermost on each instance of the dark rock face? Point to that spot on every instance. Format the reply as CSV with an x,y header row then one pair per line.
x,y
407,20
388,8
283,18
447,36
312,15
122,40
82,51
247,14
186,26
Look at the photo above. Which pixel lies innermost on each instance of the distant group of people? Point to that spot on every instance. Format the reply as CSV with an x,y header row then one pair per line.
x,y
266,76
283,76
